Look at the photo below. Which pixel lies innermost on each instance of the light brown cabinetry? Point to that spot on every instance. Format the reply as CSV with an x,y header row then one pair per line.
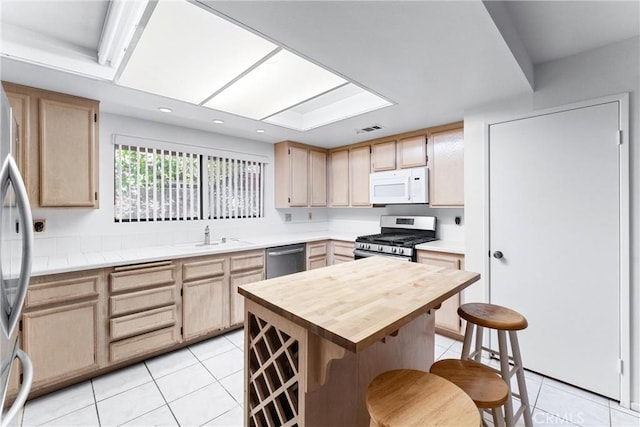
x,y
446,166
300,175
339,178
205,296
143,310
341,251
63,328
447,319
57,130
383,156
317,255
359,166
412,152
244,267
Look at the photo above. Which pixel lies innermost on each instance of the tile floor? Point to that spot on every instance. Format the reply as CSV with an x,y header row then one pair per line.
x,y
202,385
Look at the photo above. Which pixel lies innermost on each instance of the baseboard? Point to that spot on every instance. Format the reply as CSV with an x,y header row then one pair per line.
x,y
635,406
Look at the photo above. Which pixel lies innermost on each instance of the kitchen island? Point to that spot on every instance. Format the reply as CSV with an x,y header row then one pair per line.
x,y
314,340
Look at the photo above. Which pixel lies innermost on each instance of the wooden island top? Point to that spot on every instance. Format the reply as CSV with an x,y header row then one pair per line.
x,y
358,303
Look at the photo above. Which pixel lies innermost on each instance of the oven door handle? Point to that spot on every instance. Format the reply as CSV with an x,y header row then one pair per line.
x,y
366,254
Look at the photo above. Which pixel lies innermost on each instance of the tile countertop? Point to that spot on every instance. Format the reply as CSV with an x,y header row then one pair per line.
x,y
85,261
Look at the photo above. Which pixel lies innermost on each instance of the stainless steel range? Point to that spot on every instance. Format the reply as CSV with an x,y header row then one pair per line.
x,y
397,238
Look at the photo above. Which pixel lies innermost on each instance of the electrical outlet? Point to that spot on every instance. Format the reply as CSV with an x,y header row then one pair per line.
x,y
310,216
287,217
39,225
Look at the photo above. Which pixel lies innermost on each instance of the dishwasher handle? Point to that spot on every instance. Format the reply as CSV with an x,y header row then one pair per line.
x,y
286,252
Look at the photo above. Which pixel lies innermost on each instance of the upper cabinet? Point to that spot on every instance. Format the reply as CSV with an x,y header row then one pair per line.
x,y
359,166
339,178
300,175
446,166
412,152
58,130
383,156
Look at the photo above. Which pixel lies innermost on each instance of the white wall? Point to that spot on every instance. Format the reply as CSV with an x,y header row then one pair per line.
x,y
605,71
87,230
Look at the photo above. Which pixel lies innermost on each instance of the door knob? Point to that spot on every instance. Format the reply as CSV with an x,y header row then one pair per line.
x,y
497,255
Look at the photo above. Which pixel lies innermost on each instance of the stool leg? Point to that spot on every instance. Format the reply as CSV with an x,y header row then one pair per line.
x,y
504,369
478,354
466,346
522,384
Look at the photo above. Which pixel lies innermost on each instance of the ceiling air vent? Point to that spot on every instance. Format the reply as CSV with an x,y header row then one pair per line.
x,y
369,129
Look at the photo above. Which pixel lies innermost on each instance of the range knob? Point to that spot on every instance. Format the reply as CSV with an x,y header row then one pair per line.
x,y
401,251
379,248
393,250
368,247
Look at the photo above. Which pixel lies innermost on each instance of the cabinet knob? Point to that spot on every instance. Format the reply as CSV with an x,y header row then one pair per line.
x,y
497,255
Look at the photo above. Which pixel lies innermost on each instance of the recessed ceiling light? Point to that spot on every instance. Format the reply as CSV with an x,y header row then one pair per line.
x,y
165,109
260,130
218,121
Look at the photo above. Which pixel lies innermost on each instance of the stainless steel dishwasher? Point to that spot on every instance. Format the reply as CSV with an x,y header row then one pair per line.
x,y
283,260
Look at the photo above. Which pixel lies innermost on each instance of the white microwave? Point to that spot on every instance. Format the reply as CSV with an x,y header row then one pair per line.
x,y
399,186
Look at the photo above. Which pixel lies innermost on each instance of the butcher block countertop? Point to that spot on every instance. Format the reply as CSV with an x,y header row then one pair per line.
x,y
356,304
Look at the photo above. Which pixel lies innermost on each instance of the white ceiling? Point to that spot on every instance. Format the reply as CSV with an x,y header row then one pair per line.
x,y
434,59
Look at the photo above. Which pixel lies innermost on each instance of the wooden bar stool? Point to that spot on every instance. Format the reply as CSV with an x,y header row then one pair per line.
x,y
485,387
406,398
503,320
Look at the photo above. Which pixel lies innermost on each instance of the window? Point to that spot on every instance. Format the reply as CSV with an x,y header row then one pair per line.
x,y
159,184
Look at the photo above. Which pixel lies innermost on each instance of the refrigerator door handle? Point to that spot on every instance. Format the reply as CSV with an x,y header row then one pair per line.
x,y
10,174
21,398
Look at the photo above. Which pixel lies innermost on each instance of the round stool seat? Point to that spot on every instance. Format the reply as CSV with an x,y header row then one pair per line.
x,y
407,397
484,386
492,316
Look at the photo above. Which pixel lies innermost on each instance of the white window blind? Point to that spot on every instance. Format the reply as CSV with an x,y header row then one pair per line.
x,y
160,184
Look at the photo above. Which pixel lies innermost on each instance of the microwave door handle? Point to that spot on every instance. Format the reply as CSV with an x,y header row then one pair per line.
x,y
11,175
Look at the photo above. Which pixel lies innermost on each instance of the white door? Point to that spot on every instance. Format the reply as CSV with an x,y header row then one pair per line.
x,y
554,216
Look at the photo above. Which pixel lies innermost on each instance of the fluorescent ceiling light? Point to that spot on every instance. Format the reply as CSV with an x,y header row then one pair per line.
x,y
344,102
188,53
275,85
120,25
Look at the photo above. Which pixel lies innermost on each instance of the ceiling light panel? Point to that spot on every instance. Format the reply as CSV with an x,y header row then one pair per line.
x,y
187,53
282,81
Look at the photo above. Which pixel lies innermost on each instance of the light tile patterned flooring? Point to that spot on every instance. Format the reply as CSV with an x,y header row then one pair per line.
x,y
202,385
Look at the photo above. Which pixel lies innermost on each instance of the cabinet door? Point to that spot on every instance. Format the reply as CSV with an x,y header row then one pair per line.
x,y
446,168
68,137
237,300
359,165
205,306
447,315
298,178
383,156
412,152
318,178
340,178
61,342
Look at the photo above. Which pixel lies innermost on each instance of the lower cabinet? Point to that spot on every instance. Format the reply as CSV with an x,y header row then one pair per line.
x,y
244,268
317,254
447,319
62,326
341,251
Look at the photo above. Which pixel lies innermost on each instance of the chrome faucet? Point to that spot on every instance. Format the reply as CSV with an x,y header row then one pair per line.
x,y
207,236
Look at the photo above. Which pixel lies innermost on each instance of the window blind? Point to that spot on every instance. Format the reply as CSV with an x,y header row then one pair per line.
x,y
236,188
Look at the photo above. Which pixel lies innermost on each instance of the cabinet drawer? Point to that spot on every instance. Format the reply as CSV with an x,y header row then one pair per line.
x,y
339,259
142,300
316,249
141,278
62,291
145,321
316,263
343,249
202,269
142,344
247,260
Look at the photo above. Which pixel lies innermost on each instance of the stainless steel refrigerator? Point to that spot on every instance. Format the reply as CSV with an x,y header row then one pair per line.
x,y
16,245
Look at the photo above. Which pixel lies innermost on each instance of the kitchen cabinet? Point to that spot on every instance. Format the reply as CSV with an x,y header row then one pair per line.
x,y
143,310
244,267
339,178
412,152
316,254
63,326
205,296
447,319
300,175
341,251
359,167
446,166
383,156
57,130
